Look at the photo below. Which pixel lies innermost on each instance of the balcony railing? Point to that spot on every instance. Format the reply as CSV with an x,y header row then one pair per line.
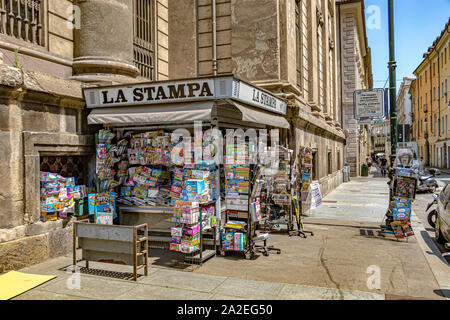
x,y
22,19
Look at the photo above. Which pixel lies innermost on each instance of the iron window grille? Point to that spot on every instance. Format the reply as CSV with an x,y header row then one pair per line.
x,y
143,41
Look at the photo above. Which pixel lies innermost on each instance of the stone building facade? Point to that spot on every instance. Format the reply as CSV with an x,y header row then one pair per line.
x,y
430,103
286,46
355,70
48,49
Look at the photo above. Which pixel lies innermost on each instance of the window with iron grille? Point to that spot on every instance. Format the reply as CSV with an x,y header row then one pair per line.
x,y
66,166
143,37
22,19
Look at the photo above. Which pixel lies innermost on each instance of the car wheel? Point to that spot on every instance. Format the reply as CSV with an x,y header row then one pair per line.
x,y
437,230
432,218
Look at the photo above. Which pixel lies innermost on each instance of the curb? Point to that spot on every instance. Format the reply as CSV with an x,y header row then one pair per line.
x,y
438,265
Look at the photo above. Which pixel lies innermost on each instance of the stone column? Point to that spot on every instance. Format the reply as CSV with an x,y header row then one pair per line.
x,y
103,45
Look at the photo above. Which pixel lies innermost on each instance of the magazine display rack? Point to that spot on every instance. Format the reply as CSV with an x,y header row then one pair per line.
x,y
402,194
277,193
301,193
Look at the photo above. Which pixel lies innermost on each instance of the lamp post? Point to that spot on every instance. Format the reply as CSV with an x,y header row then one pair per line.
x,y
427,143
392,83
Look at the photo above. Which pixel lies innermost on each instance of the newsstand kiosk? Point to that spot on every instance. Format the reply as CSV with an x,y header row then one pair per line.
x,y
140,161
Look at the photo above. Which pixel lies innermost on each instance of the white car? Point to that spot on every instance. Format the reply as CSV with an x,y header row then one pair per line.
x,y
442,229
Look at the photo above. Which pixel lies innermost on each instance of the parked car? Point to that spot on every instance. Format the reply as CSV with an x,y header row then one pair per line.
x,y
442,229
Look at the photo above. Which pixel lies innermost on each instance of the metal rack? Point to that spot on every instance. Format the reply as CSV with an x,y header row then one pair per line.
x,y
127,246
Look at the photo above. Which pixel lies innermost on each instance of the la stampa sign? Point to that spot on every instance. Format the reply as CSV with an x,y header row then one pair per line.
x,y
183,91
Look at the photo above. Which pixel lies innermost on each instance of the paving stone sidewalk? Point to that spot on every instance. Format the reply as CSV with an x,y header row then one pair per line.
x,y
164,284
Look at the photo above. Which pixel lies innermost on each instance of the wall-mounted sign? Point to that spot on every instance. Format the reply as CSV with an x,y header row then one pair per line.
x,y
257,97
363,122
140,94
369,104
226,87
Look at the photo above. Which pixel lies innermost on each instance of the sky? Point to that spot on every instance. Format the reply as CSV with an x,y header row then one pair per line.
x,y
417,24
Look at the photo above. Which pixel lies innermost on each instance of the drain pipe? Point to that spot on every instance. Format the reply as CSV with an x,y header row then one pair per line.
x,y
214,31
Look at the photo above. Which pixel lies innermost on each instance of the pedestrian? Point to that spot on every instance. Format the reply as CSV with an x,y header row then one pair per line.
x,y
383,165
369,161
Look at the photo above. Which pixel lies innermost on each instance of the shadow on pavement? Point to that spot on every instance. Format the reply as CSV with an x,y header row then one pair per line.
x,y
442,292
432,246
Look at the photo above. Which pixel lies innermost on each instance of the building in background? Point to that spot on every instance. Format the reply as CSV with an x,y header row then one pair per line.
x,y
430,103
355,73
404,116
287,47
404,111
381,138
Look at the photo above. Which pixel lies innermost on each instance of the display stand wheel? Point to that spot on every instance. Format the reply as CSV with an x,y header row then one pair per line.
x,y
249,255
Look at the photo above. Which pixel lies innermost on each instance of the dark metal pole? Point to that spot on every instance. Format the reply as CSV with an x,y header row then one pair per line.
x,y
392,83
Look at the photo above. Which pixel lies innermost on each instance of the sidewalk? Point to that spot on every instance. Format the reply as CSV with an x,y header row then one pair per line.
x,y
335,263
164,284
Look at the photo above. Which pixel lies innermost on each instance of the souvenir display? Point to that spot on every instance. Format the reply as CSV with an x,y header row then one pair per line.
x,y
401,212
106,158
305,166
237,188
58,195
276,178
403,184
186,236
149,176
103,207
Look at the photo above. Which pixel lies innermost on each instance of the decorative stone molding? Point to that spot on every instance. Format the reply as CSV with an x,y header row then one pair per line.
x,y
320,18
314,106
331,44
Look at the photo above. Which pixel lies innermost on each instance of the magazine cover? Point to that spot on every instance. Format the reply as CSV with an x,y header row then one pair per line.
x,y
405,187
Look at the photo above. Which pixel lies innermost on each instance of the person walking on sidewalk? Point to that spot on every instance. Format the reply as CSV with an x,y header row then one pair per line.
x,y
369,161
383,165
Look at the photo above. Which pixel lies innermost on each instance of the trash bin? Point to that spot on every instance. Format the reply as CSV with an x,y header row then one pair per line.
x,y
365,170
346,172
